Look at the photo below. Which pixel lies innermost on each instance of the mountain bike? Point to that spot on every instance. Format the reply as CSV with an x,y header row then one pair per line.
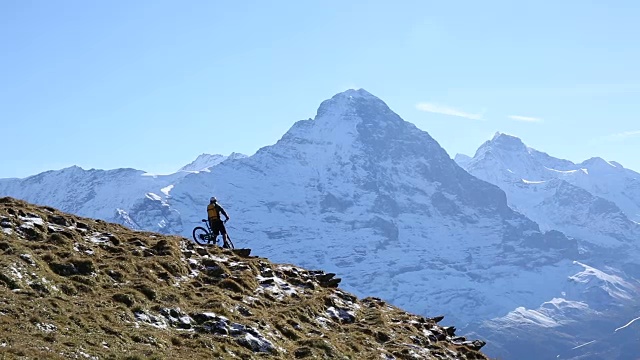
x,y
204,236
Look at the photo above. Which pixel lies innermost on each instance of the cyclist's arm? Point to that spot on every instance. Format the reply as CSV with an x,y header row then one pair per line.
x,y
224,213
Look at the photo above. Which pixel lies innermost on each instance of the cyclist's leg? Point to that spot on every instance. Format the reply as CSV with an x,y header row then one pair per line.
x,y
225,236
212,231
216,229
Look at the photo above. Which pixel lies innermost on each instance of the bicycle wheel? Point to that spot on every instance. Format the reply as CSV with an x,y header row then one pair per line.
x,y
227,244
201,235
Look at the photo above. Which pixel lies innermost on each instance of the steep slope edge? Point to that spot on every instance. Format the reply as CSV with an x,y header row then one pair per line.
x,y
80,288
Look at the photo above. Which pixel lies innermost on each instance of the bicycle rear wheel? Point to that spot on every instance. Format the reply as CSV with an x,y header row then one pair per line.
x,y
201,235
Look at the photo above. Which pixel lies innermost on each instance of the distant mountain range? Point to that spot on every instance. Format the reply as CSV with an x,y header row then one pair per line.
x,y
361,192
596,202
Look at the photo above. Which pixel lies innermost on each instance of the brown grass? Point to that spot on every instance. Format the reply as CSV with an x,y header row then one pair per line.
x,y
75,298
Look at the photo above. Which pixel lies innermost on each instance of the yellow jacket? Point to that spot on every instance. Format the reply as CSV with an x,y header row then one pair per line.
x,y
214,210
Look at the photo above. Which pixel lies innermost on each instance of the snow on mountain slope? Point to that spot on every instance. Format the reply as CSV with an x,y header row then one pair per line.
x,y
77,190
593,327
595,201
127,196
361,192
204,162
613,182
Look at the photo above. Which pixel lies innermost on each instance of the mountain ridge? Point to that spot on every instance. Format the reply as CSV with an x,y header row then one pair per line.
x,y
523,170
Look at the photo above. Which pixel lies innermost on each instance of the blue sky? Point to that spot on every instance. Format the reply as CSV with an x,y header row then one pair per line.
x,y
152,84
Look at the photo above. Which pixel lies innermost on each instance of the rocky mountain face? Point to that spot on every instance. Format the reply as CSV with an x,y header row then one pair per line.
x,y
82,288
595,203
360,192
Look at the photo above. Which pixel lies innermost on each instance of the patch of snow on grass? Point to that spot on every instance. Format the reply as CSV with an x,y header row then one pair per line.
x,y
289,268
26,225
249,300
82,353
46,327
16,272
323,321
77,228
259,344
340,314
55,228
97,238
221,259
32,220
386,356
276,286
343,310
155,321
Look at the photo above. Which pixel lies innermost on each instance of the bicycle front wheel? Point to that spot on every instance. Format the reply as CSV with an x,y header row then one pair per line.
x,y
227,244
201,235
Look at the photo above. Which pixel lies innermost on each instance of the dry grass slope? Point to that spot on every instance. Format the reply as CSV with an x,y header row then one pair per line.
x,y
77,288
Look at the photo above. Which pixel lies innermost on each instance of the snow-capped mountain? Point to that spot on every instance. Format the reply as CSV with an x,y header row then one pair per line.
x,y
596,201
362,193
131,197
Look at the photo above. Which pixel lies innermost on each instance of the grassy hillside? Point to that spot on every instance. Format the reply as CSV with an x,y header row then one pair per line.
x,y
77,288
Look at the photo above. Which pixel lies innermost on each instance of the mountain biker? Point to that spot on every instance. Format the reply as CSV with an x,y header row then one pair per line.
x,y
214,212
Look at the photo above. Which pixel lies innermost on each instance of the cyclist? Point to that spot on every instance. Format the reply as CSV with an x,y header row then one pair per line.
x,y
214,212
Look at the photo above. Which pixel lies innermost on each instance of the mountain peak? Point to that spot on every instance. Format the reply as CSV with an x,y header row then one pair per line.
x,y
235,155
346,102
507,142
203,162
462,159
600,163
356,93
